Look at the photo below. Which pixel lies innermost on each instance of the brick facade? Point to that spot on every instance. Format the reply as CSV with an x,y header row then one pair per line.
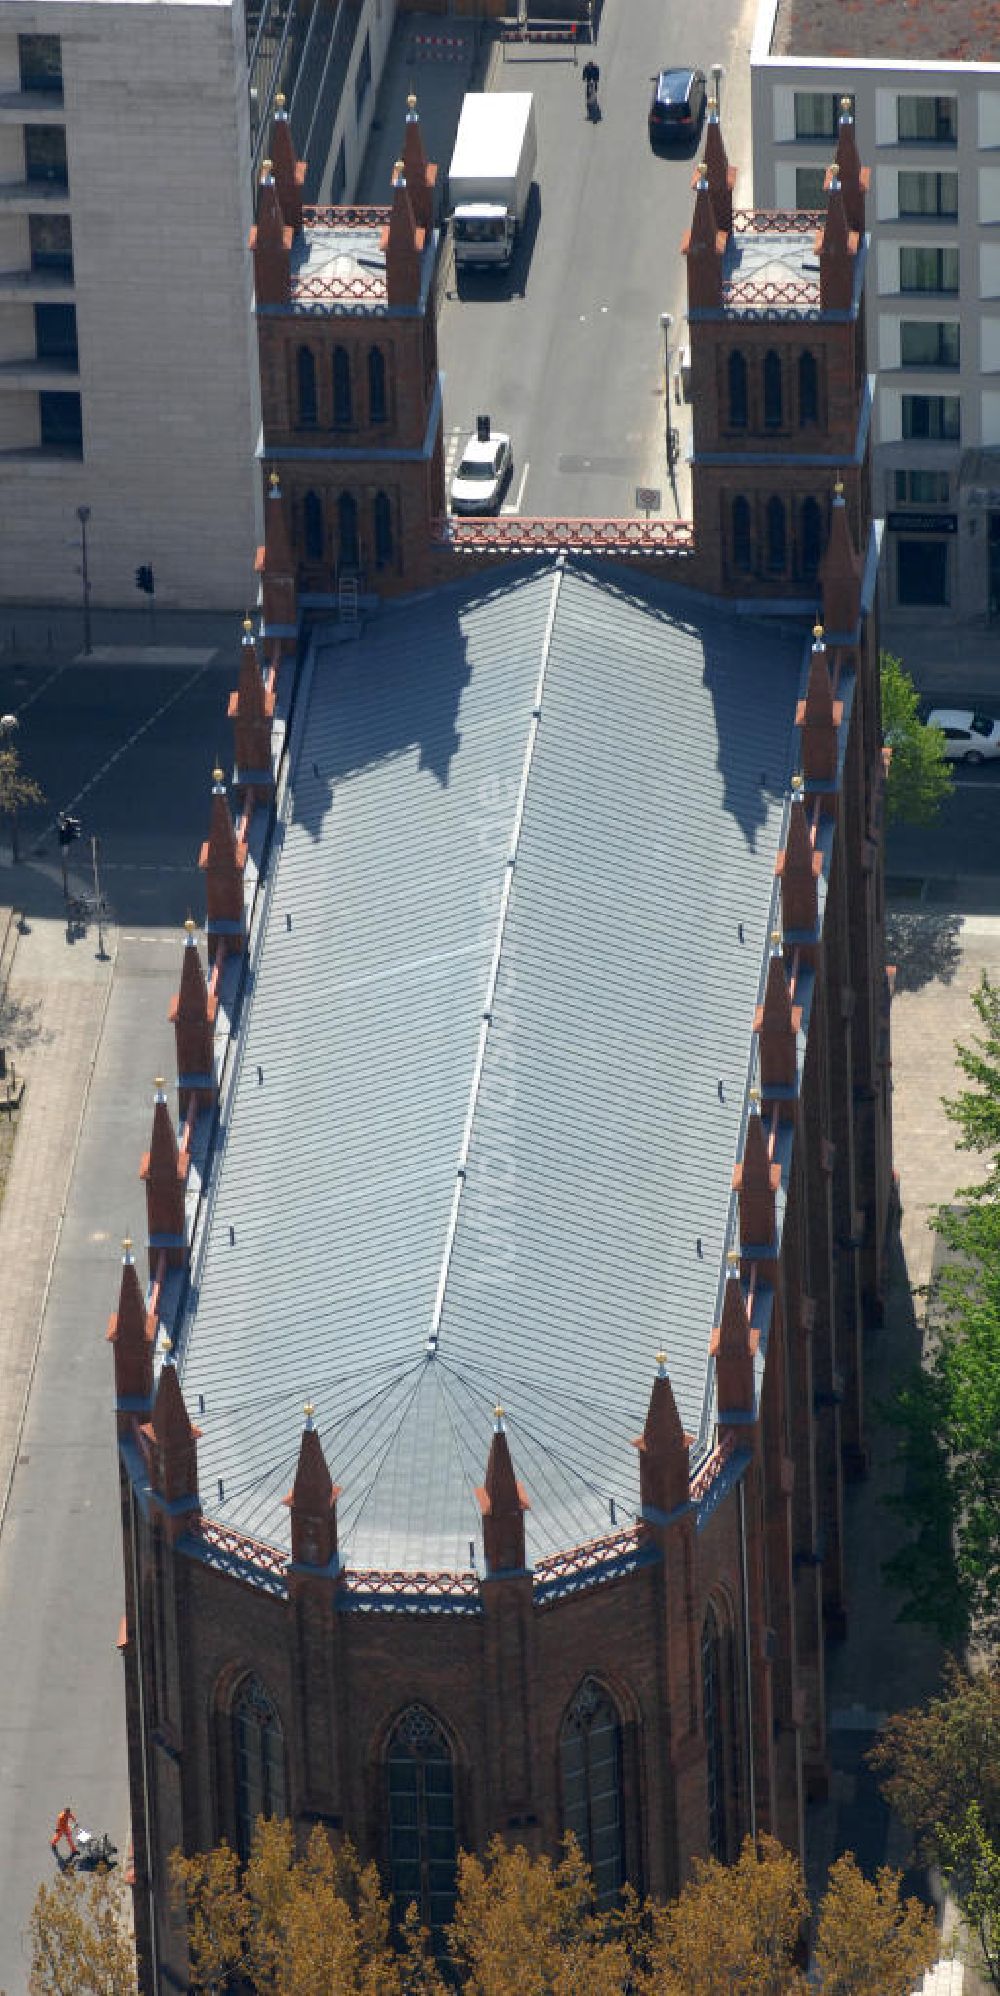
x,y
694,1637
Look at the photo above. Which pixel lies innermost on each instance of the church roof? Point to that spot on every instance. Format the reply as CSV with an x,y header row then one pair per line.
x,y
491,1077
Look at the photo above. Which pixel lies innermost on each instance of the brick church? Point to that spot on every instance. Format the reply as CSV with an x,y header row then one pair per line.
x,y
485,1416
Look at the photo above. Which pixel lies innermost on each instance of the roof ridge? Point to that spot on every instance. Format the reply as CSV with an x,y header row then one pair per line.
x,y
491,986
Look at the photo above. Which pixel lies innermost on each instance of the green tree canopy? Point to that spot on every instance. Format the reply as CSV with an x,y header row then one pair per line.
x,y
920,776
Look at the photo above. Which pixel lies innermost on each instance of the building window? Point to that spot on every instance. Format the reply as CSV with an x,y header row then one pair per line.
x,y
50,239
377,409
362,80
342,400
40,58
808,389
423,1848
590,1752
936,417
922,573
776,536
382,523
812,537
927,269
810,188
923,194
312,515
258,1760
922,488
929,343
305,371
927,120
817,114
347,530
772,390
45,155
60,422
55,333
742,552
737,391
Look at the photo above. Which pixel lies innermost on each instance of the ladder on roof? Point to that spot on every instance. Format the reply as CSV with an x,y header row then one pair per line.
x,y
347,599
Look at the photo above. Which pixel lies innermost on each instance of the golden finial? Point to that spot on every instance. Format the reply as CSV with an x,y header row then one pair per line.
x,y
411,102
218,775
309,1410
797,782
838,490
776,938
498,1413
158,1083
248,625
274,482
733,1258
190,925
846,106
127,1247
818,633
755,1096
279,102
266,170
661,1364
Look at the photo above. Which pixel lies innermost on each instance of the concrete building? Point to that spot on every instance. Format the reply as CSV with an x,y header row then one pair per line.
x,y
534,1113
128,374
924,90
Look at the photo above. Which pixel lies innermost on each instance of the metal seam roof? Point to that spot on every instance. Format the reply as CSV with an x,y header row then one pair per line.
x,y
616,750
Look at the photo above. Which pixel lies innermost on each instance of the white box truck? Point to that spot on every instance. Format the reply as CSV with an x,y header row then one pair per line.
x,y
490,177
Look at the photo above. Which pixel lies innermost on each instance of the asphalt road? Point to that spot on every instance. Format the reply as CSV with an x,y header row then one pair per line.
x,y
129,749
567,352
956,856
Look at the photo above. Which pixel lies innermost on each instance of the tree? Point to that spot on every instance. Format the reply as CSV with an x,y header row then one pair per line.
x,y
290,1925
736,1930
937,1758
526,1927
80,1939
17,791
920,777
869,1941
971,1860
940,1769
948,1415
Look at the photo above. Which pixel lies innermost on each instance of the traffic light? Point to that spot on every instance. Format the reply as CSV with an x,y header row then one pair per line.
x,y
69,828
144,578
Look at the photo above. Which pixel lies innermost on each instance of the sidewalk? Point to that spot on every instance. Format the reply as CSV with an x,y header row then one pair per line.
x,y
883,1665
54,1011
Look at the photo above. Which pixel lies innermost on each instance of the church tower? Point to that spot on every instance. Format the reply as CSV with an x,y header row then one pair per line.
x,y
781,400
350,392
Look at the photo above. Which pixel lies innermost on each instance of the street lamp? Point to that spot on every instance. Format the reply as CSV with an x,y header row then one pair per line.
x,y
718,73
666,321
83,515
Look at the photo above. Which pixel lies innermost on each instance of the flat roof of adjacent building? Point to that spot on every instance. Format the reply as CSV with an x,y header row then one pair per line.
x,y
493,1059
896,30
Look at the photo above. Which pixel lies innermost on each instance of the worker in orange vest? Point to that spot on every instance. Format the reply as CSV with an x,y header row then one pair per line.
x,y
66,1823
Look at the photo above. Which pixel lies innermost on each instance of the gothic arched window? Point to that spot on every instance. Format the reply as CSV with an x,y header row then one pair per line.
x,y
742,552
812,536
715,1735
590,1752
312,512
305,371
423,1848
377,406
382,523
772,390
738,401
776,536
258,1760
347,535
808,389
341,385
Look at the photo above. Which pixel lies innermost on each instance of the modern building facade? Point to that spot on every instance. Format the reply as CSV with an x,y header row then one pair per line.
x,y
923,87
534,1128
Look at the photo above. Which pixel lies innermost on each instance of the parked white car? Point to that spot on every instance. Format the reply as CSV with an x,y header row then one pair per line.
x,y
486,465
968,736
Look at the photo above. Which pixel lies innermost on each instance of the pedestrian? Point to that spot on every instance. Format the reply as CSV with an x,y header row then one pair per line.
x,y
66,1823
591,79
